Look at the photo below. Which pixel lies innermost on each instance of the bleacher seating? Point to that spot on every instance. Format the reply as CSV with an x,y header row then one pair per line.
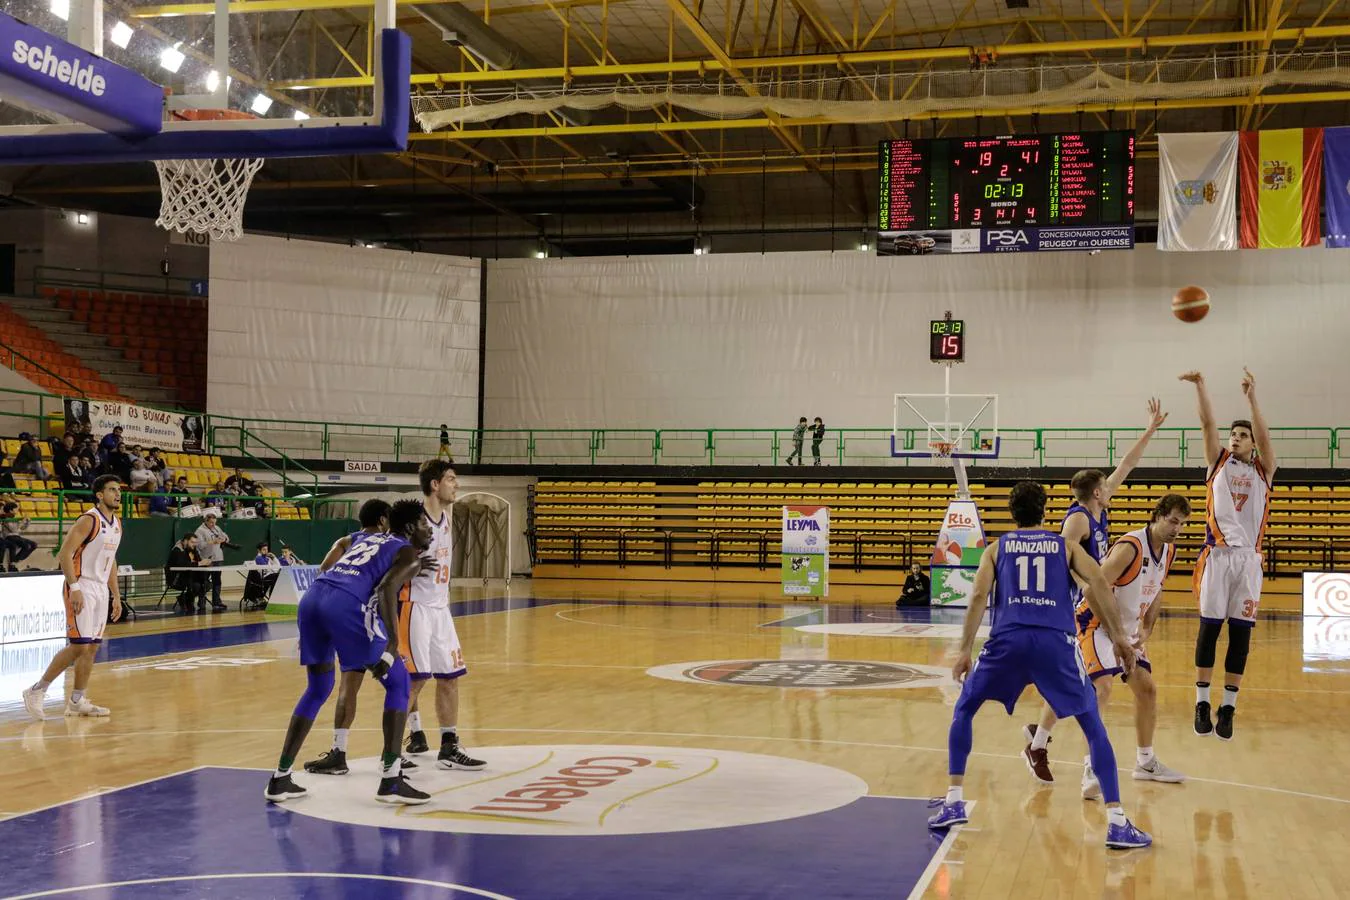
x,y
164,335
872,525
39,501
47,364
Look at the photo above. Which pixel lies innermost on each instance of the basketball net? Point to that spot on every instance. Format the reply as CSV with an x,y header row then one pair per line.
x,y
206,195
942,454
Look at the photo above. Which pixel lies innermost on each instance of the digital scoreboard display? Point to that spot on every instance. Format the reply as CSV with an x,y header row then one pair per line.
x,y
946,341
998,182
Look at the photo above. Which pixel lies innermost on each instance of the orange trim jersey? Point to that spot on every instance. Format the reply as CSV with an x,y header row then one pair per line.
x,y
1134,591
1237,503
432,589
95,559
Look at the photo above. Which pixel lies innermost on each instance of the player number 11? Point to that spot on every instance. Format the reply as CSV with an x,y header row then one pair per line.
x,y
1024,567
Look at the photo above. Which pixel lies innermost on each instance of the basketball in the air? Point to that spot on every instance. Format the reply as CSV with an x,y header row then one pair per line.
x,y
1190,304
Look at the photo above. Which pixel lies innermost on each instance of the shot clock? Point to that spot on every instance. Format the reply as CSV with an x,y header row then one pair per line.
x,y
1007,182
947,340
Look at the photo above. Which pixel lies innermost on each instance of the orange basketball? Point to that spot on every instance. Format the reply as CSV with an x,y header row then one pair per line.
x,y
1190,304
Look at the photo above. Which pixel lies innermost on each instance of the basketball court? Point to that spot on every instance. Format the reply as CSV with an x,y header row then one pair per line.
x,y
734,746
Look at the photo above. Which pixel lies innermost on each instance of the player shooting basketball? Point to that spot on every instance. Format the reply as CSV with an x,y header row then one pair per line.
x,y
1227,579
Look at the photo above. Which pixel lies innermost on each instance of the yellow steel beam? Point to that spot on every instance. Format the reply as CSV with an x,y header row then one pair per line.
x,y
808,121
721,62
1272,22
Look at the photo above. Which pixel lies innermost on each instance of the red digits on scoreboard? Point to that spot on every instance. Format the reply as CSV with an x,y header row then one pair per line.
x,y
986,158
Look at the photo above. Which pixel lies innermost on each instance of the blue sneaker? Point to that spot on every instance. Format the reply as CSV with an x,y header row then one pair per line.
x,y
948,814
1126,837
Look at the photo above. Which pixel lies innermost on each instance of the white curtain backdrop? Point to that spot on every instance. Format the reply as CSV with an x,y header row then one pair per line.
x,y
1065,339
304,330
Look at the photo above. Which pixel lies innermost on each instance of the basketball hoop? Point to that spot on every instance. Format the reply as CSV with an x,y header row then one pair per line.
x,y
206,195
940,449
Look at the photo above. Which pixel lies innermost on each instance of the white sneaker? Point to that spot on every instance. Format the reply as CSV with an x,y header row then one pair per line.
x,y
1092,788
1156,771
32,701
85,708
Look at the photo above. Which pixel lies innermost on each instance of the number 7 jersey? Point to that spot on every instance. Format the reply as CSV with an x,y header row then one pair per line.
x,y
1238,503
432,588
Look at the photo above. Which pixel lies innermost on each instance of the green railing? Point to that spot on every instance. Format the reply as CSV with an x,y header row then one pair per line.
x,y
277,444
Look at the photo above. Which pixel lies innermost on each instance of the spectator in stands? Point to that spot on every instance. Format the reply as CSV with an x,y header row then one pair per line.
x,y
916,589
62,453
111,441
445,444
220,498
181,496
212,541
28,461
190,585
159,502
75,477
88,454
158,466
817,435
235,483
798,436
6,473
142,480
12,541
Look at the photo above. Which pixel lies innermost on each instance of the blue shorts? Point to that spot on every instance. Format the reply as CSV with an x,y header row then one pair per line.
x,y
333,621
1017,657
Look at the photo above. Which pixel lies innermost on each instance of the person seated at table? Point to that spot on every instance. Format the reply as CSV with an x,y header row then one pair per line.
x,y
268,572
190,585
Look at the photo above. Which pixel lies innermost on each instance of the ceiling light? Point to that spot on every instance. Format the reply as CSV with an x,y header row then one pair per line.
x,y
82,218
541,254
121,34
864,246
261,104
171,58
213,81
698,251
301,115
61,9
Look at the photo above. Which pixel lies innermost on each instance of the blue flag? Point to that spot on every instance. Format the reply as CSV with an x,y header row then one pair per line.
x,y
1336,183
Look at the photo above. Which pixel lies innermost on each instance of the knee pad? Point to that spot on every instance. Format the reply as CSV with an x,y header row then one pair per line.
x,y
1206,639
1239,645
397,687
316,692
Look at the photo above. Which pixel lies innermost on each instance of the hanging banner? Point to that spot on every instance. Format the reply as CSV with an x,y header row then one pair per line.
x,y
1280,176
956,557
1336,172
1197,191
141,425
1023,239
806,551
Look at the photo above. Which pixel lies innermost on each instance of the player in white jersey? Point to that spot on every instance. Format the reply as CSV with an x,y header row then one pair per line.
x,y
427,637
88,559
1227,580
1086,524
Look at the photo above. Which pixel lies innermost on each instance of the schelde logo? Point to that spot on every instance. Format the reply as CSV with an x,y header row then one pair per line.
x,y
596,790
45,60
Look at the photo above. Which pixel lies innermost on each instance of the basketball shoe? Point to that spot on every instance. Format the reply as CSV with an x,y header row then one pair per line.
x,y
1156,771
334,762
281,788
1223,723
417,742
85,708
1126,837
1203,726
452,756
32,701
1038,761
947,815
396,790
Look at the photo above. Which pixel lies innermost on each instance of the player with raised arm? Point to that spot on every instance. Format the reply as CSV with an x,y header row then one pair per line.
x,y
374,519
351,611
1086,524
1136,569
427,637
1227,580
1032,641
88,558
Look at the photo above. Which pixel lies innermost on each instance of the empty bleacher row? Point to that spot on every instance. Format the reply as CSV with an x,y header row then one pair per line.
x,y
164,335
45,363
40,501
872,525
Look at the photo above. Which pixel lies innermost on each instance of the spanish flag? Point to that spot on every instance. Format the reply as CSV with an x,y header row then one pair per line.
x,y
1280,182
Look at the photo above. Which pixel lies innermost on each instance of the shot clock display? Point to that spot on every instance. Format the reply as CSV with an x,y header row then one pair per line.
x,y
947,340
1000,182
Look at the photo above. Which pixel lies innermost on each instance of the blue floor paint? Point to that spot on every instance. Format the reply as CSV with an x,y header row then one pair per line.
x,y
214,822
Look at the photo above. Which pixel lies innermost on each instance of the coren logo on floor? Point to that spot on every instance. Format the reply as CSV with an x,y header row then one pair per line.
x,y
576,790
46,61
804,673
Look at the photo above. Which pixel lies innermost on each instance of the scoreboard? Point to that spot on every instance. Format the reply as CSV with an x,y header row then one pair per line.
x,y
1082,179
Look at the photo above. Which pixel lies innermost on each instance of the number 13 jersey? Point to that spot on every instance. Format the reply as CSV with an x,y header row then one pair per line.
x,y
1238,503
432,588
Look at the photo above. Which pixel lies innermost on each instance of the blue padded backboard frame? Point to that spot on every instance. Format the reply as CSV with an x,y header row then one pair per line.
x,y
384,132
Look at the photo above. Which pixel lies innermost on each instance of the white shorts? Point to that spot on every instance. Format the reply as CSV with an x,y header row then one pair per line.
x,y
427,641
86,626
1227,582
1099,654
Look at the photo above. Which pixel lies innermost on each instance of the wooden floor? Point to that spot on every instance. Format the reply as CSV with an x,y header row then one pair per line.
x,y
563,669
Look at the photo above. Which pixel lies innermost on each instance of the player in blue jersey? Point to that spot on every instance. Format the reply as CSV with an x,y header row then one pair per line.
x,y
351,610
1086,523
374,519
1032,641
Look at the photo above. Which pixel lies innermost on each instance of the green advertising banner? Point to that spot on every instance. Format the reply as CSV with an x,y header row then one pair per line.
x,y
806,551
956,557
